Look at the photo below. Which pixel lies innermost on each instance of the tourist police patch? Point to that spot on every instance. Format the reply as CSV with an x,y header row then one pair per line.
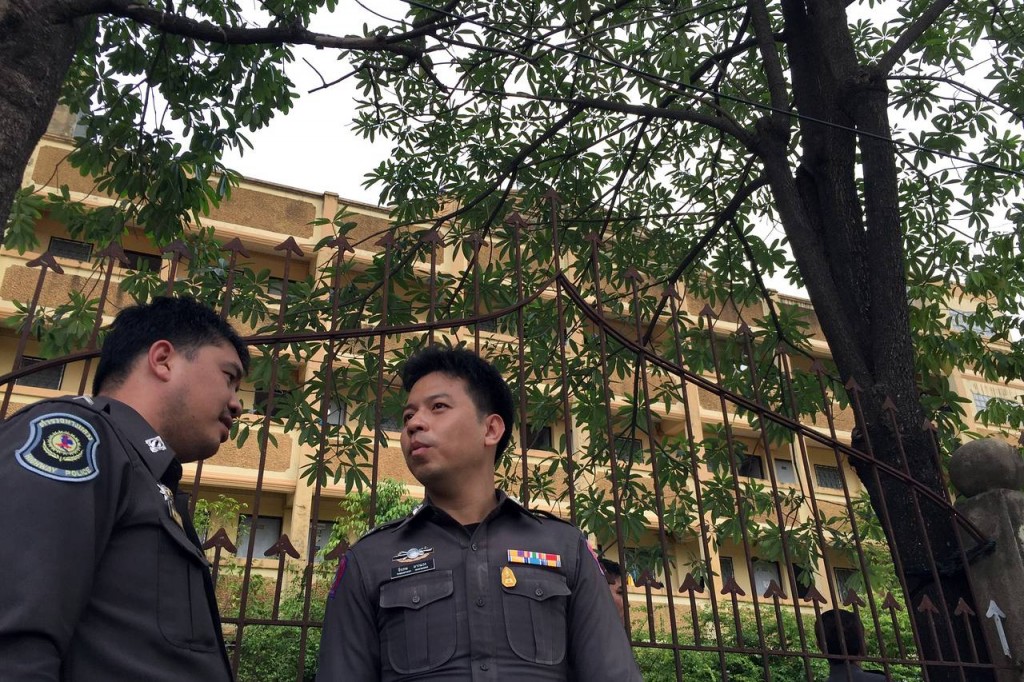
x,y
60,446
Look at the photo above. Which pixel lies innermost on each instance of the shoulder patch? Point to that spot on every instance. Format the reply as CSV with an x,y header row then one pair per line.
x,y
342,565
60,446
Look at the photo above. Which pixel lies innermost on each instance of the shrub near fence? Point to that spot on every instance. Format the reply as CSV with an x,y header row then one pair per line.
x,y
658,665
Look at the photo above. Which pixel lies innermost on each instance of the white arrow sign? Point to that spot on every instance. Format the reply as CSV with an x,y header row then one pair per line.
x,y
996,614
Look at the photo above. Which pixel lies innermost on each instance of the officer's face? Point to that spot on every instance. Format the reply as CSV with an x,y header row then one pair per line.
x,y
445,439
203,401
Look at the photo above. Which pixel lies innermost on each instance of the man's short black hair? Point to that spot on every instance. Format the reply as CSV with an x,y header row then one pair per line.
x,y
835,624
612,570
185,322
484,383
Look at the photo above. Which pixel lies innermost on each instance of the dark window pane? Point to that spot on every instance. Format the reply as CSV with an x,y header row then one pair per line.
x,y
268,532
47,378
138,260
71,249
336,413
828,477
323,536
751,466
628,449
844,578
538,438
390,423
728,570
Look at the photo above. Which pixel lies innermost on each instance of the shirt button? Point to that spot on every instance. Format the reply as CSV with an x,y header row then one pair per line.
x,y
473,546
480,601
539,592
484,666
416,598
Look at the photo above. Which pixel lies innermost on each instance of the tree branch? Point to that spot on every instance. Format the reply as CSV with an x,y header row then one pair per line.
x,y
687,115
910,35
404,44
761,22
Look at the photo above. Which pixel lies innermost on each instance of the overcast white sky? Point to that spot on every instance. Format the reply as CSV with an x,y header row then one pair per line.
x,y
313,147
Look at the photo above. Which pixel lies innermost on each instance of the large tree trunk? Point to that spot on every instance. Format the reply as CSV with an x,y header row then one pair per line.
x,y
36,51
849,248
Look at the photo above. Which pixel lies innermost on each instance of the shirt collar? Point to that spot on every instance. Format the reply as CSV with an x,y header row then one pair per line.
x,y
505,504
157,455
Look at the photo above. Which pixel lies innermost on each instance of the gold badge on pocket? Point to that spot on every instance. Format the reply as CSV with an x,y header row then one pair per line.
x,y
508,578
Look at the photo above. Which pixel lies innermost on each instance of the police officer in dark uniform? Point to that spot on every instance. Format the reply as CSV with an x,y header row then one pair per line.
x,y
471,585
103,577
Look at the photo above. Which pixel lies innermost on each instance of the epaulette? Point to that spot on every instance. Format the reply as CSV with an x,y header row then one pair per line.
x,y
389,524
79,400
549,515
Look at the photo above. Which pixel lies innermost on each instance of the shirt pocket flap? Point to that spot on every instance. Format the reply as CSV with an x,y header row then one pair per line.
x,y
415,593
540,586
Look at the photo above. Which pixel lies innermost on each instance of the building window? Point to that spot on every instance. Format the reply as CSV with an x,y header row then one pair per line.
x,y
47,378
828,477
72,249
980,401
389,422
844,580
959,320
784,472
336,413
261,402
538,438
728,569
804,580
138,260
628,449
764,573
323,536
268,532
751,466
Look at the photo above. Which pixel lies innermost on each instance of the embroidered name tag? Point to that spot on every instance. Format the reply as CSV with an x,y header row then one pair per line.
x,y
405,570
519,556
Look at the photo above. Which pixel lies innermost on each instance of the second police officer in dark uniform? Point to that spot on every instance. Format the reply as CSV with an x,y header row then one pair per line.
x,y
103,577
471,586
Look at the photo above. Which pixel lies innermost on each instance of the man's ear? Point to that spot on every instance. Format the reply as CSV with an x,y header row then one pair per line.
x,y
494,429
160,358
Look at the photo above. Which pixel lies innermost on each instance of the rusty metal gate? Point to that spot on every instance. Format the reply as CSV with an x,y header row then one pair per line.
x,y
705,454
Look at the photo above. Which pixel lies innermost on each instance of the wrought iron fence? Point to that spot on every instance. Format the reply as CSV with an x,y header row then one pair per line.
x,y
707,454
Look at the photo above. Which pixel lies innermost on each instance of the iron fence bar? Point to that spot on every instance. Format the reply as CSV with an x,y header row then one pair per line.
x,y
698,496
826,409
341,246
516,223
613,460
113,253
45,263
178,250
708,314
659,501
745,334
853,391
290,249
234,247
929,428
570,468
388,242
890,408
